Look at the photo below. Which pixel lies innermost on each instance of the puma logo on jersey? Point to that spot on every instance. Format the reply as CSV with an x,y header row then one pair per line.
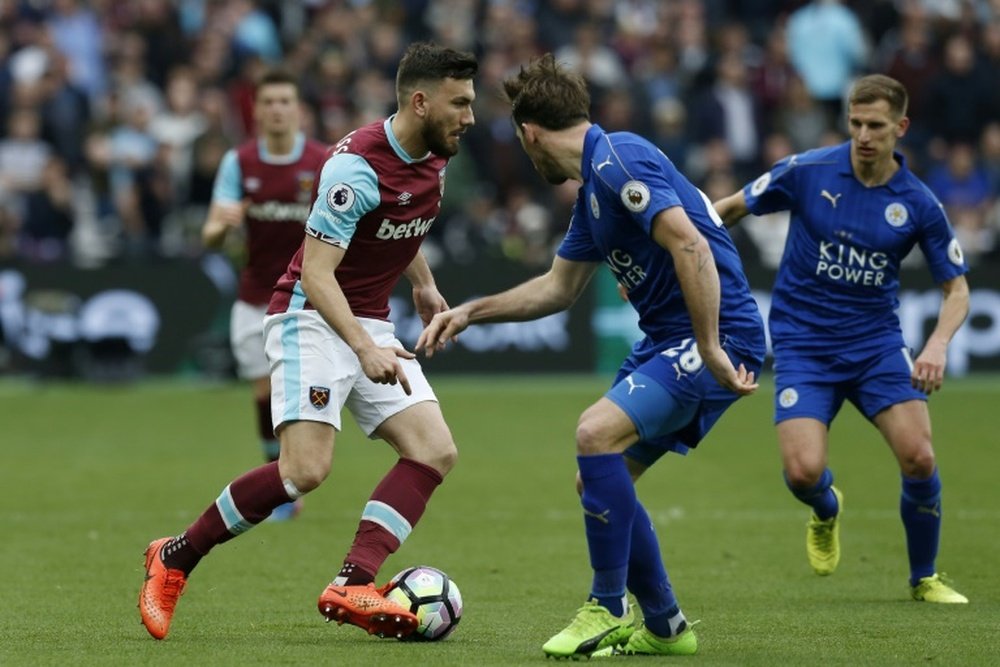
x,y
833,198
632,386
604,164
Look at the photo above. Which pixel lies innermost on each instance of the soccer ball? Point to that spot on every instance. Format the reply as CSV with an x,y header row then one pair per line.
x,y
431,595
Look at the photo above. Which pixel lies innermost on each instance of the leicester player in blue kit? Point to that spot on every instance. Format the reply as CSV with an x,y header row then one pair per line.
x,y
857,211
703,344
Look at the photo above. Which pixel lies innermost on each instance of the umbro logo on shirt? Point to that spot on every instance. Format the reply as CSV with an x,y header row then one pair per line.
x,y
404,198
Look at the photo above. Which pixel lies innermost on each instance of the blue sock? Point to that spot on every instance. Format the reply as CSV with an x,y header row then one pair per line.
x,y
920,509
608,507
647,579
819,497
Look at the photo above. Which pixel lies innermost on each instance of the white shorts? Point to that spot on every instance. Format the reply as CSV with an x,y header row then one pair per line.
x,y
246,336
314,373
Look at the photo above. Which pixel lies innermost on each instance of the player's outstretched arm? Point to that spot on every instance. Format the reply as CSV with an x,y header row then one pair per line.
x,y
554,291
928,369
379,364
732,209
699,279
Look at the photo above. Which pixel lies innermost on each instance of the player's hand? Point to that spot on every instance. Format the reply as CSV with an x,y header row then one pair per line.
x,y
428,302
443,327
622,293
232,215
737,380
928,370
381,365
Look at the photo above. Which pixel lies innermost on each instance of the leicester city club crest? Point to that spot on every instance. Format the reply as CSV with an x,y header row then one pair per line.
x,y
788,397
319,397
896,215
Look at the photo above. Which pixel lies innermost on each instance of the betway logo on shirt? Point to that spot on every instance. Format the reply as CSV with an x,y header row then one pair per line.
x,y
404,230
845,263
276,211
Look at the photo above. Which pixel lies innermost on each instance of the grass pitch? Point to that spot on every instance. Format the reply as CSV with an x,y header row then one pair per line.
x,y
91,474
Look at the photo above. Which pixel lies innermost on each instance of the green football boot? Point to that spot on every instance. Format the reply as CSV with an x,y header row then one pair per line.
x,y
644,642
593,628
934,589
823,539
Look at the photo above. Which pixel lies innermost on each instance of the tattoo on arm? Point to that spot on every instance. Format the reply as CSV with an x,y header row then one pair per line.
x,y
692,247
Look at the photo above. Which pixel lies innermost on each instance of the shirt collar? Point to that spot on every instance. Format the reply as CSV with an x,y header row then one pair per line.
x,y
895,184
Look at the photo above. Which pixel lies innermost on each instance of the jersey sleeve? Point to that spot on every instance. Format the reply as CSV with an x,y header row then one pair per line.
x,y
228,187
773,190
643,184
578,245
348,189
939,244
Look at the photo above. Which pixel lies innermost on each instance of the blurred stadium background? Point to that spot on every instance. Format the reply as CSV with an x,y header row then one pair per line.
x,y
114,115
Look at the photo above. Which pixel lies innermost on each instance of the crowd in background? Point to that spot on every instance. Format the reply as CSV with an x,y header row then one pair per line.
x,y
114,114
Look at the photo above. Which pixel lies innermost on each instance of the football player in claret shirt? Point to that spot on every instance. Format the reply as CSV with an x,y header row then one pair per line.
x,y
703,344
330,344
264,186
856,212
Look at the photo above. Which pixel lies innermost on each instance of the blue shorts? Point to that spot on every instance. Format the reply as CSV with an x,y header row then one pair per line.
x,y
672,399
816,385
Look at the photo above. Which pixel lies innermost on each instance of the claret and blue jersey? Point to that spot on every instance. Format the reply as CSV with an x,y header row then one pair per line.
x,y
627,181
839,277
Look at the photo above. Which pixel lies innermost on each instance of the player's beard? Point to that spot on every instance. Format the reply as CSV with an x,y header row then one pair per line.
x,y
436,137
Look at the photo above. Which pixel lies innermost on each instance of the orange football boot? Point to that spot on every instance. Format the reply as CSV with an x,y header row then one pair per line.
x,y
367,608
160,591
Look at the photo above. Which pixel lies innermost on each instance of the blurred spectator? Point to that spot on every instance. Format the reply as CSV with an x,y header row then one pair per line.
x,y
48,215
177,126
729,112
963,187
801,117
77,33
23,156
827,46
957,103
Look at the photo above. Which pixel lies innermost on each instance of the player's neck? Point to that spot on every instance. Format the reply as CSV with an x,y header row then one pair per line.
x,y
875,174
280,144
408,136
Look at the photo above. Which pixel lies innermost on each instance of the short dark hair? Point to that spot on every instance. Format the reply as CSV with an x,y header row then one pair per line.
x,y
549,94
277,77
426,61
875,87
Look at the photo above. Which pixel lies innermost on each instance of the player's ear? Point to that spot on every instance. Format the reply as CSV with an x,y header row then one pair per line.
x,y
902,126
419,103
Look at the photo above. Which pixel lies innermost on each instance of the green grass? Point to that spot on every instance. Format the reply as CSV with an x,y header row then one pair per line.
x,y
90,474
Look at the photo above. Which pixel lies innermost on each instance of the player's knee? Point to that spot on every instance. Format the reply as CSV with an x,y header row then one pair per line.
x,y
590,438
309,476
800,476
442,457
918,463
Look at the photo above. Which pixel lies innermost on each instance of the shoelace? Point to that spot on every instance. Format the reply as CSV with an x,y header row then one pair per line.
x,y
823,535
173,586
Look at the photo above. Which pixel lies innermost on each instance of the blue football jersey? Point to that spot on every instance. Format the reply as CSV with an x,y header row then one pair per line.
x,y
627,181
838,280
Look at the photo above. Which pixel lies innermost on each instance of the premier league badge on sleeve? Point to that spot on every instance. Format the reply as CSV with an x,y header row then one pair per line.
x,y
340,198
635,196
758,187
955,252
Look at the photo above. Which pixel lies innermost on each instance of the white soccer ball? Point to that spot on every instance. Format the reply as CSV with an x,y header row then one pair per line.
x,y
431,595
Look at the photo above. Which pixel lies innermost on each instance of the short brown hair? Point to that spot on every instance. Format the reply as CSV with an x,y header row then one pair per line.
x,y
549,94
425,61
277,77
875,87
